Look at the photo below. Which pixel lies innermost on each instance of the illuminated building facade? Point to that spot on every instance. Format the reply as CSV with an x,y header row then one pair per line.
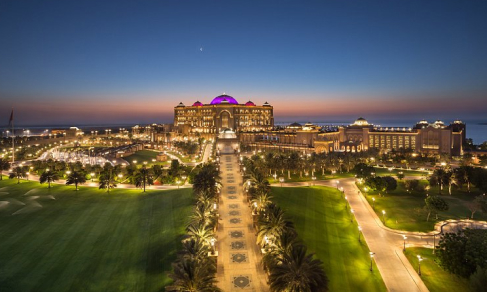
x,y
424,137
223,112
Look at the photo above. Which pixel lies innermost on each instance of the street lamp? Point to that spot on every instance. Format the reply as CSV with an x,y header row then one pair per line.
x,y
404,237
346,202
281,180
314,179
92,176
337,182
184,179
371,258
419,264
359,231
384,217
177,182
351,215
373,203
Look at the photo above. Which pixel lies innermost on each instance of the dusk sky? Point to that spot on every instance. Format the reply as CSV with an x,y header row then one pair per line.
x,y
92,62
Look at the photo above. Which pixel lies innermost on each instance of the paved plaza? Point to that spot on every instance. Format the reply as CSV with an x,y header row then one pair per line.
x,y
239,267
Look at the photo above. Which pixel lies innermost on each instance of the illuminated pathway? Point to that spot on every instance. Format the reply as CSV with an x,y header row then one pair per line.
x,y
395,269
239,267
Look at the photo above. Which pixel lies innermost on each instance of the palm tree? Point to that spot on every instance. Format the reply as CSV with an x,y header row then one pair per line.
x,y
18,172
4,165
298,272
207,180
272,223
143,177
48,176
202,214
200,232
76,177
107,181
262,200
192,275
157,171
194,249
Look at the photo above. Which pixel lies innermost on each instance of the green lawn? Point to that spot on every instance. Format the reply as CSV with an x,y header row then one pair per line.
x,y
324,225
379,171
404,211
88,240
144,155
434,277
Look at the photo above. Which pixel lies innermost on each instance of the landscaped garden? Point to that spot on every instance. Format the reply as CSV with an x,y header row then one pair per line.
x,y
433,275
406,210
88,240
143,156
322,222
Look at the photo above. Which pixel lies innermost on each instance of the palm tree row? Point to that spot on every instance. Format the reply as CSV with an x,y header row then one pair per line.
x,y
286,260
195,268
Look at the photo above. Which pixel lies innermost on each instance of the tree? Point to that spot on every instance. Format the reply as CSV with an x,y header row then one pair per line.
x,y
48,176
4,165
435,204
298,271
411,184
143,177
157,171
76,178
192,275
376,184
207,181
107,181
400,175
478,280
363,170
391,183
464,175
272,223
18,173
461,253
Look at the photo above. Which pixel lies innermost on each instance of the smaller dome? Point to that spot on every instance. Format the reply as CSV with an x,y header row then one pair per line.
x,y
295,125
266,104
361,122
250,103
181,104
197,103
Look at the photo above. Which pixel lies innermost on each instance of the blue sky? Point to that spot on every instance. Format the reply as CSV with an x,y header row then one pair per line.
x,y
133,61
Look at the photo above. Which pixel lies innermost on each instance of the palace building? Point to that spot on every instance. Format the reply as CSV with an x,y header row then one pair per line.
x,y
223,112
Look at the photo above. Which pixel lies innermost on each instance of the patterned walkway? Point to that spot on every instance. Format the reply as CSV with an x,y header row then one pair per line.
x,y
238,267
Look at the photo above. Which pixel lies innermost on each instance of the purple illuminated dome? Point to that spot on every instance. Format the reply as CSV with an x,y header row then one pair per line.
x,y
249,103
197,103
224,99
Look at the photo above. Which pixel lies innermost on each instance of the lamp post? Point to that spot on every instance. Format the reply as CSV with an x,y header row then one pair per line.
x,y
359,231
371,258
384,217
419,264
314,179
351,215
373,203
92,176
404,237
434,243
337,182
184,179
346,202
281,180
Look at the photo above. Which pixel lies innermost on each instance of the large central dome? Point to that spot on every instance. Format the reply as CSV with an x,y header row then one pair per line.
x,y
222,99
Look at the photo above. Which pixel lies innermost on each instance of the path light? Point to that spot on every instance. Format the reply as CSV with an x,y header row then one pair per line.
x,y
281,180
359,231
134,161
419,264
337,182
346,202
371,258
92,176
404,237
373,203
384,217
351,215
68,172
314,179
120,175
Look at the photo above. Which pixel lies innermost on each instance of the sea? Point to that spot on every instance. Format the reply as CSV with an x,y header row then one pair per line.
x,y
476,130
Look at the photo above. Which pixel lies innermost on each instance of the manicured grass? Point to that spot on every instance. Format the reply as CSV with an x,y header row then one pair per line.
x,y
324,225
433,275
379,171
144,155
405,211
88,240
184,159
